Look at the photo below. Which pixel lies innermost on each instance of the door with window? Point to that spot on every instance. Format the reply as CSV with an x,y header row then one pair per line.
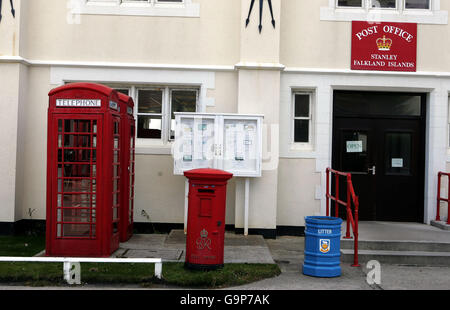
x,y
379,138
75,192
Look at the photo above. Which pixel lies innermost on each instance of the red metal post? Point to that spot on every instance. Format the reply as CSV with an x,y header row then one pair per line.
x,y
336,205
350,197
349,207
438,217
448,199
356,233
328,191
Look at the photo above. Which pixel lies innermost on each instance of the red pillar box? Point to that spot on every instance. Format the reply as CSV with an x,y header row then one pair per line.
x,y
128,159
83,171
206,218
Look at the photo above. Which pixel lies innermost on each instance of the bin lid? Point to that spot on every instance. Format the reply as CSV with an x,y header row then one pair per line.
x,y
323,220
208,173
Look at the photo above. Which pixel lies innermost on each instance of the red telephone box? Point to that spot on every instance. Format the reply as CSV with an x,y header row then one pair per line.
x,y
206,218
83,171
128,159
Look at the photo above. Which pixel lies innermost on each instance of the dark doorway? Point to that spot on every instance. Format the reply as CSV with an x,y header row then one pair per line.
x,y
379,137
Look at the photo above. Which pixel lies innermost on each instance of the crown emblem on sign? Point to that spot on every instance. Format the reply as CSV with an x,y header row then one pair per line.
x,y
384,44
204,233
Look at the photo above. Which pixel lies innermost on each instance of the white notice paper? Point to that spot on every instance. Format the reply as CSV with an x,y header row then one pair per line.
x,y
240,135
187,143
397,162
354,147
198,140
230,142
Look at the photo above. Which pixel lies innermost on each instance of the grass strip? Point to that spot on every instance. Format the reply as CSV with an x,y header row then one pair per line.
x,y
174,274
230,275
21,245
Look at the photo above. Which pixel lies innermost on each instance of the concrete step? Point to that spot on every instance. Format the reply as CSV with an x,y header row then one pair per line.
x,y
441,224
418,258
427,246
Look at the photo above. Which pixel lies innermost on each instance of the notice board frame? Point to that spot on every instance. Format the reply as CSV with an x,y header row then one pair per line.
x,y
216,147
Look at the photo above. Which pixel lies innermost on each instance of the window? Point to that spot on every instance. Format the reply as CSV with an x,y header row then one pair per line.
x,y
181,101
141,1
153,2
349,3
302,117
155,108
150,113
176,8
448,123
417,4
384,4
413,11
408,4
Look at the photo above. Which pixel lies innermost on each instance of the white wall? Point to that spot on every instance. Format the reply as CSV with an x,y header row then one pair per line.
x,y
11,75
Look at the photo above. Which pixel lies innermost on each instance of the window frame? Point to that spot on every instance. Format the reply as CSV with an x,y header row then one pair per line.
x,y
149,2
184,8
311,133
166,109
396,8
349,7
365,12
368,5
154,3
137,114
430,4
448,125
169,118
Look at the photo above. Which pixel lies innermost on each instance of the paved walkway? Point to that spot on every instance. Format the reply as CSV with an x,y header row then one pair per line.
x,y
287,252
390,231
171,248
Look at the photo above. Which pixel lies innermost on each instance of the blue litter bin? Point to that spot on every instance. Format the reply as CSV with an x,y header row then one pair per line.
x,y
322,246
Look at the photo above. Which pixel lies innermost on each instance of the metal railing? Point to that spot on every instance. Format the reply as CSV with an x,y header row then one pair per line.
x,y
439,198
351,197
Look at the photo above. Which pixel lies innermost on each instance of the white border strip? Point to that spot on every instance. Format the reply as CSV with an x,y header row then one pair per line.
x,y
443,74
217,68
124,65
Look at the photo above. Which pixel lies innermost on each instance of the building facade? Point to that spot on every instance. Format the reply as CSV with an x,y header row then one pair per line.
x,y
295,66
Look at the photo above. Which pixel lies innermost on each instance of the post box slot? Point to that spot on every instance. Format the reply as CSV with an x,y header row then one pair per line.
x,y
205,207
204,190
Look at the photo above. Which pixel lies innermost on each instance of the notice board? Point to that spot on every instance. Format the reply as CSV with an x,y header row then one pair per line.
x,y
229,142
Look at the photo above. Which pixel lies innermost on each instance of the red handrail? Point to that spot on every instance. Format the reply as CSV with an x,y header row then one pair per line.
x,y
351,197
439,198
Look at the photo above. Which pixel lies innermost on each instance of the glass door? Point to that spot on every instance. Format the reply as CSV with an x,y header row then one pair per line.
x,y
76,182
380,138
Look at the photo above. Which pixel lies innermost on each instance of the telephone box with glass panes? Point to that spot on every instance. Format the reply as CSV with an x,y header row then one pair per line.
x,y
83,171
128,160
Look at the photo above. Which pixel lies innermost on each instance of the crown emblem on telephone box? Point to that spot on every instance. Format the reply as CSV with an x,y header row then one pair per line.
x,y
384,44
